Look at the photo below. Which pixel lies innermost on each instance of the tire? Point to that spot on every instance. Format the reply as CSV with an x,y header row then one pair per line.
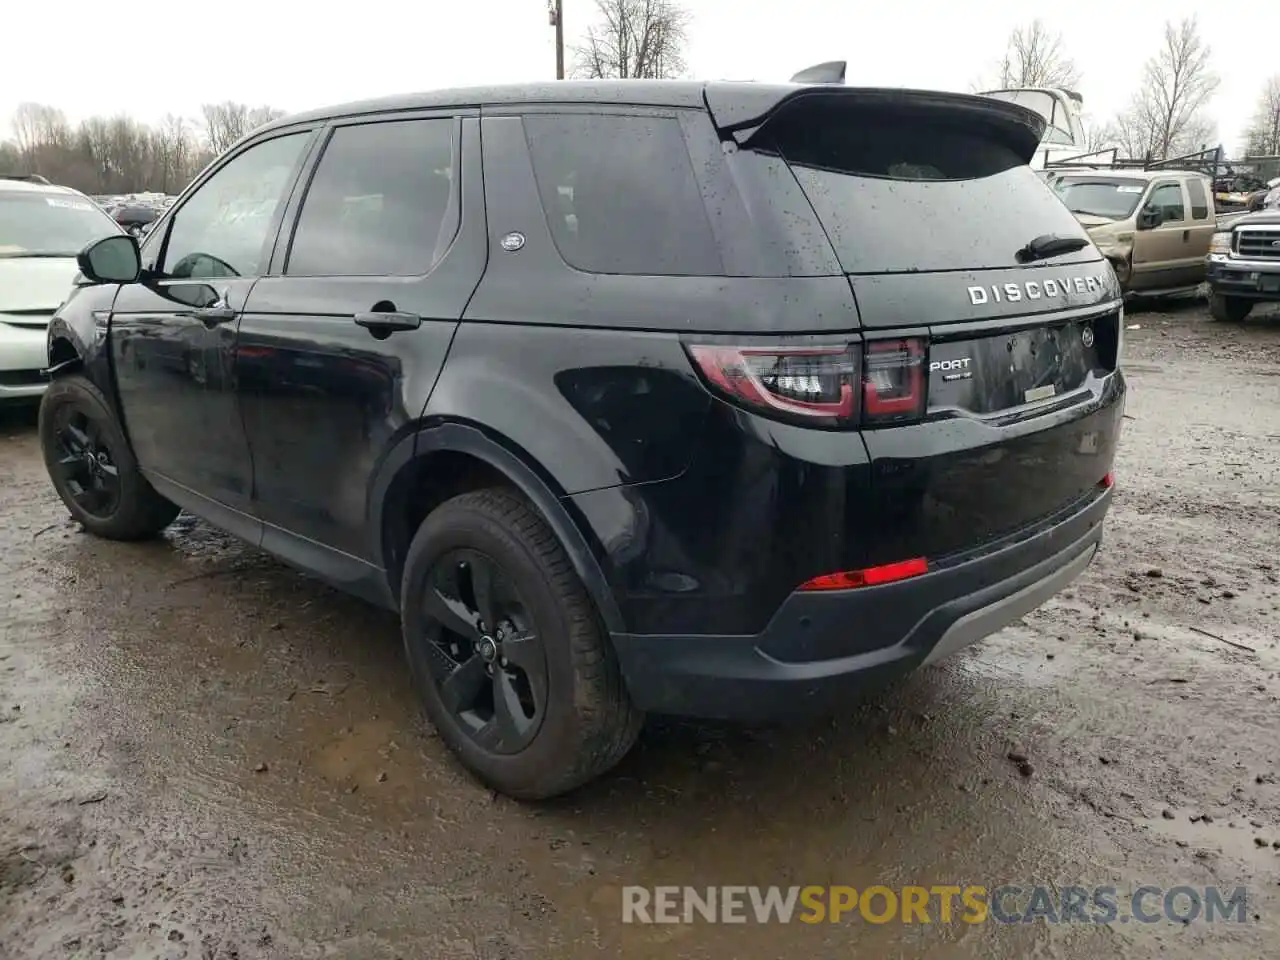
x,y
588,722
134,511
1229,309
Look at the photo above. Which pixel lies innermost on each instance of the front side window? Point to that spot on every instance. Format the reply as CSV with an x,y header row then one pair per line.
x,y
381,202
1167,198
222,229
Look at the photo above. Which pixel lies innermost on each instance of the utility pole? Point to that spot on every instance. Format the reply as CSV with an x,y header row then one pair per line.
x,y
557,21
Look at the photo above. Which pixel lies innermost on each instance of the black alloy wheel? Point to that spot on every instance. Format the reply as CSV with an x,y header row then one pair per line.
x,y
485,654
92,466
85,463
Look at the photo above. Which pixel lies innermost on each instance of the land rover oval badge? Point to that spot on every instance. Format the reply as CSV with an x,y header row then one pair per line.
x,y
1086,336
513,242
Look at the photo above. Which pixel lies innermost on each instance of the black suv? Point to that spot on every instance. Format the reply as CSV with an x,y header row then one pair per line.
x,y
1244,266
716,399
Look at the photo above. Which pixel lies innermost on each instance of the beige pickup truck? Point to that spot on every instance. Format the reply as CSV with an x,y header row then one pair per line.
x,y
1153,225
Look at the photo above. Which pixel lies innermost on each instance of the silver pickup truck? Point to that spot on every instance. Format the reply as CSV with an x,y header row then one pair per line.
x,y
1243,266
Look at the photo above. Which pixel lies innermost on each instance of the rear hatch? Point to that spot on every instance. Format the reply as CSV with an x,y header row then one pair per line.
x,y
958,252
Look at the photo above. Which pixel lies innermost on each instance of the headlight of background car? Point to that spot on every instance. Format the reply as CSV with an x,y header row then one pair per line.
x,y
1221,243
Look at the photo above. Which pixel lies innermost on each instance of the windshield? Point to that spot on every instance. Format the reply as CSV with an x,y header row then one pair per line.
x,y
49,224
1113,199
915,189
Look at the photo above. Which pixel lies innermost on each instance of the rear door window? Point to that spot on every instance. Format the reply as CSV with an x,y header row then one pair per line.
x,y
913,189
620,195
381,202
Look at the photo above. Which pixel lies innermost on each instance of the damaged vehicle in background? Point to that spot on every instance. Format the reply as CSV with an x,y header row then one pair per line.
x,y
1153,225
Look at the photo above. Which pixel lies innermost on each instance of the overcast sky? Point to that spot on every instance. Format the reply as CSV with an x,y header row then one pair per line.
x,y
75,55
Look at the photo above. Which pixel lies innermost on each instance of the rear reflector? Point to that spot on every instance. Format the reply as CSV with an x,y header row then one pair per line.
x,y
1109,480
870,577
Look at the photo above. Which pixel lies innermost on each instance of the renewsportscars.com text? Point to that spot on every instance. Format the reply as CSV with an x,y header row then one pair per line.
x,y
934,904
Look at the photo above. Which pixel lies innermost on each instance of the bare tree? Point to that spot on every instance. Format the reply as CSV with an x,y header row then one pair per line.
x,y
1262,138
1098,136
38,127
641,39
1035,57
1168,114
119,154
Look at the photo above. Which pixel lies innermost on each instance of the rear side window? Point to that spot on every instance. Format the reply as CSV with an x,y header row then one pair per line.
x,y
620,195
915,188
381,202
1199,199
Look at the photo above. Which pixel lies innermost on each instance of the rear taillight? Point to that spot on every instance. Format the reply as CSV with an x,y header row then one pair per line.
x,y
880,382
817,385
893,381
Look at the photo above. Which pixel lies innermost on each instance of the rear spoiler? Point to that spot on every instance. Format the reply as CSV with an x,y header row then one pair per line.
x,y
740,110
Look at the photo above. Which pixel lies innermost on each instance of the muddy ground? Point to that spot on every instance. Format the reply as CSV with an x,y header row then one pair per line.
x,y
205,754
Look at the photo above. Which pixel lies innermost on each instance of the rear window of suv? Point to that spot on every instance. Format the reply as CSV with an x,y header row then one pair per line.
x,y
913,189
620,194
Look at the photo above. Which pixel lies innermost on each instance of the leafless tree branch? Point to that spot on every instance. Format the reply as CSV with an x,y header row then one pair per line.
x,y
1035,57
1262,138
1168,116
119,154
642,39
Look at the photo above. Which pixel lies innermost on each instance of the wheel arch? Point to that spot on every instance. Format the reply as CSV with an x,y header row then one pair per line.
x,y
438,461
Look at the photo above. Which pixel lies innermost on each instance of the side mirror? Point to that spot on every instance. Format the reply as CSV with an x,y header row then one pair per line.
x,y
111,260
1150,218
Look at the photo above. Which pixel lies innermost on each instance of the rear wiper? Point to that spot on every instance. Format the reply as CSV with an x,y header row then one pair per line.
x,y
1049,245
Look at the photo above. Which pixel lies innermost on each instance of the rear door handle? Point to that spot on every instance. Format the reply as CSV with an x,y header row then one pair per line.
x,y
1186,235
389,320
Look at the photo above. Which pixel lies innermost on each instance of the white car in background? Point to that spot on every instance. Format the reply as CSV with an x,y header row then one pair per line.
x,y
42,228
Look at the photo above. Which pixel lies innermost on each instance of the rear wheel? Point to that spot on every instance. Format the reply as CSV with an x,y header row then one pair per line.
x,y
507,652
92,467
1229,309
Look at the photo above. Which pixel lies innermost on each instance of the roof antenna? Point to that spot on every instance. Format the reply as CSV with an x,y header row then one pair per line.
x,y
830,72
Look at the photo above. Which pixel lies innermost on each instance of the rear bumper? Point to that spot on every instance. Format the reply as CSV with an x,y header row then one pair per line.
x,y
23,358
1244,278
888,630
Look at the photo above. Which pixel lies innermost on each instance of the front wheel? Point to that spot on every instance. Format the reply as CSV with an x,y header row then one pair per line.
x,y
507,651
92,467
1229,309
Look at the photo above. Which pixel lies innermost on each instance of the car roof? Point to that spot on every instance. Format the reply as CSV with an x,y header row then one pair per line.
x,y
26,186
655,93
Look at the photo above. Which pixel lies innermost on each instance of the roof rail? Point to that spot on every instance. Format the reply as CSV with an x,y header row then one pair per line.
x,y
1208,162
25,177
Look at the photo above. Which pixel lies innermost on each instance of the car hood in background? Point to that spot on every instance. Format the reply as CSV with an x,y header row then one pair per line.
x,y
35,283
